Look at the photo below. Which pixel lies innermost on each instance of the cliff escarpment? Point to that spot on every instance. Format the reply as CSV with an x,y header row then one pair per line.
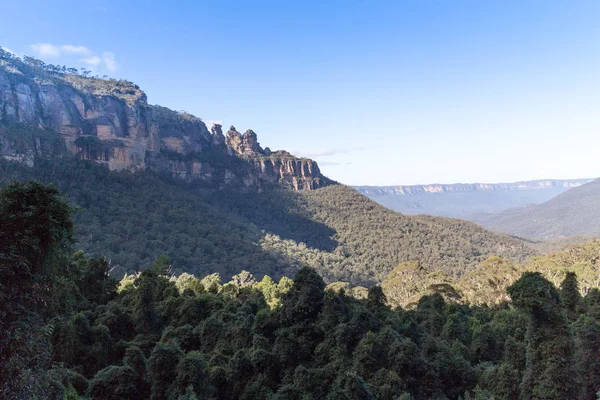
x,y
411,190
53,111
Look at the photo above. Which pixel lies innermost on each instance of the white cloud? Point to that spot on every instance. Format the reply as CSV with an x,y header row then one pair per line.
x,y
329,152
109,61
333,163
93,61
81,50
318,152
323,154
45,49
329,163
105,61
50,50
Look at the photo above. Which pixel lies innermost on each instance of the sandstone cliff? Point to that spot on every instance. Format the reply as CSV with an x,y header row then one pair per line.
x,y
49,111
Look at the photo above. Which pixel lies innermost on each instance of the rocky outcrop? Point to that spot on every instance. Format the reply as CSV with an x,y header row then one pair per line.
x,y
250,143
245,144
234,141
300,174
218,138
46,112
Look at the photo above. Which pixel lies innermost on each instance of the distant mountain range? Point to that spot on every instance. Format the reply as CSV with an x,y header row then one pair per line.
x,y
467,201
575,212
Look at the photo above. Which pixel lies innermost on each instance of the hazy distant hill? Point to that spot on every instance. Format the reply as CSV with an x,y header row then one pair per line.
x,y
575,212
466,200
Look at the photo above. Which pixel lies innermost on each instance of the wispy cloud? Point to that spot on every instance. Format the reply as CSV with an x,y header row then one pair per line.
x,y
331,157
106,60
81,50
93,61
318,152
45,50
110,61
329,152
333,163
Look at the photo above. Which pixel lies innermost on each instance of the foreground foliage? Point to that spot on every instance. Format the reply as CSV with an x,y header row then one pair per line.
x,y
69,331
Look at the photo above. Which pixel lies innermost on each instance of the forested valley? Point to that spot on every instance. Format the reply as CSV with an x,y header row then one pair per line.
x,y
133,218
71,331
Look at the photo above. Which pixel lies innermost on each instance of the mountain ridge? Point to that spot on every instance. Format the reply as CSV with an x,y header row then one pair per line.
x,y
407,190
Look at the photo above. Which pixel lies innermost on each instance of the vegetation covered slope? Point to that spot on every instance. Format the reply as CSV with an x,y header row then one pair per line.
x,y
575,212
67,332
380,239
486,284
134,218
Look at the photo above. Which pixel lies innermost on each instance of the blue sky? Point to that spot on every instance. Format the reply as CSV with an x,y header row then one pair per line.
x,y
379,92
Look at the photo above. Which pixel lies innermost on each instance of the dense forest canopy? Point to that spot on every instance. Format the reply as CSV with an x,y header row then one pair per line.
x,y
70,331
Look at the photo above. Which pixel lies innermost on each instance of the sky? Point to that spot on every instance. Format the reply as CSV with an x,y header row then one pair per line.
x,y
378,92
